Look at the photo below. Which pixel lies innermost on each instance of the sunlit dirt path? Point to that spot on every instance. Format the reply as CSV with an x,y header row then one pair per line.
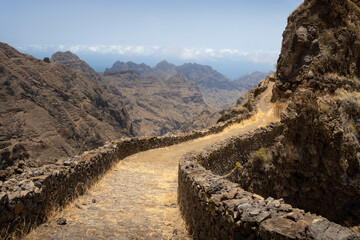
x,y
137,198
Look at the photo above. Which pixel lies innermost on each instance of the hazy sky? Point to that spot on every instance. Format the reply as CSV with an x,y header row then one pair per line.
x,y
214,32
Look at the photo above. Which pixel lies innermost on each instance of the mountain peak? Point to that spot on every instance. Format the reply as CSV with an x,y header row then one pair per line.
x,y
164,64
67,56
122,67
7,51
165,69
71,60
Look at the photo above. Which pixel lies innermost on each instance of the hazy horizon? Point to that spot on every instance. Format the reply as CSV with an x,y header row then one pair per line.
x,y
234,37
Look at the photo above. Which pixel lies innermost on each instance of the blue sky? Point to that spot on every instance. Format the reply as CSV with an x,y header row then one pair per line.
x,y
245,34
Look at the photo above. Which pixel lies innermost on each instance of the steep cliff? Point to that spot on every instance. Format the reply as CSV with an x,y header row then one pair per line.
x,y
321,47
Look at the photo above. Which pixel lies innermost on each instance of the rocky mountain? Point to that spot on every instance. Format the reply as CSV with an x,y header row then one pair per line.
x,y
314,164
164,69
50,111
217,90
72,61
156,105
219,93
122,67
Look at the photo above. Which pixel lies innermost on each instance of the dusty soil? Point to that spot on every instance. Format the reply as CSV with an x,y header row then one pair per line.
x,y
137,199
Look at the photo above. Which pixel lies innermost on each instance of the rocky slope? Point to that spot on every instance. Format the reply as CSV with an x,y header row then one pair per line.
x,y
72,61
49,111
158,106
315,163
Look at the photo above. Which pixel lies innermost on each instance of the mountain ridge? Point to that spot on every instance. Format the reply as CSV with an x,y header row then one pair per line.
x,y
218,90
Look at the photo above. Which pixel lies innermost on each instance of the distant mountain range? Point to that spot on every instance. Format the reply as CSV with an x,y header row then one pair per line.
x,y
218,91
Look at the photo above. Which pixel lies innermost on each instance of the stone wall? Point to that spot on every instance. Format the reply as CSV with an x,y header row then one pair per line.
x,y
27,199
215,208
222,159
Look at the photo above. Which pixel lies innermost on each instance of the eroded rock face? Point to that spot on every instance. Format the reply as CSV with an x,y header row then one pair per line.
x,y
320,42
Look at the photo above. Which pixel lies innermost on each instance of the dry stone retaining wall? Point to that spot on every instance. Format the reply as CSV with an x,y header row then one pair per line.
x,y
215,208
222,159
27,199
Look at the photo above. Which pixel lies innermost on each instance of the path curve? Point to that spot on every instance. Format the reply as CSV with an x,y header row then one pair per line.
x,y
137,198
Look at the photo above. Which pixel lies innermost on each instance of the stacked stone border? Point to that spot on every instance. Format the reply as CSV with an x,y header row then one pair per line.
x,y
215,208
29,198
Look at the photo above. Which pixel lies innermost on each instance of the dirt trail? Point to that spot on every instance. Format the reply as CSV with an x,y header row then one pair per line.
x,y
137,198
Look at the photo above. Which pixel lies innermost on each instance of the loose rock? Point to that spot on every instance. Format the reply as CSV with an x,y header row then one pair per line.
x,y
61,221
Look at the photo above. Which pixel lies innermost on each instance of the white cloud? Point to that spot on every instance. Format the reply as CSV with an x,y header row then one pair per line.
x,y
93,48
76,48
173,52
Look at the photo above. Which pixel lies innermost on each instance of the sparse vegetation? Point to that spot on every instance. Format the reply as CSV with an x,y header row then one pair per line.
x,y
352,128
260,158
324,107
